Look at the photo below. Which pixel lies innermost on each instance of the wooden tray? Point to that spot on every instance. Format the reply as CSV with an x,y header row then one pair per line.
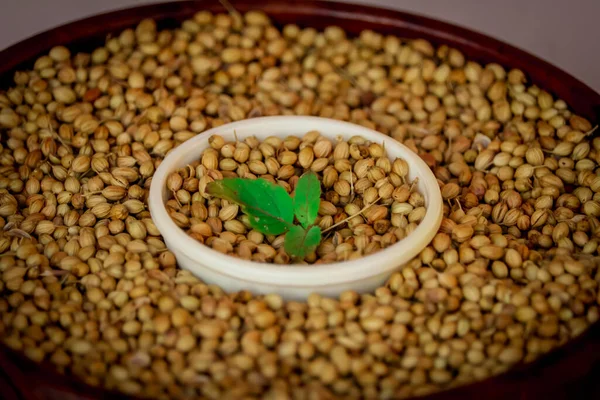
x,y
570,372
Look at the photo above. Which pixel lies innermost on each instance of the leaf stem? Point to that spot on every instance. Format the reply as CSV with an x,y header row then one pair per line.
x,y
413,183
588,133
352,216
230,9
176,199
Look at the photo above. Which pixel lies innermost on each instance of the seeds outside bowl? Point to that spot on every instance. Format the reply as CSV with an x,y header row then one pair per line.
x,y
87,284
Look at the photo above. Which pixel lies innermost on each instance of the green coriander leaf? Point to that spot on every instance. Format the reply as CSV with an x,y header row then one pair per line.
x,y
300,242
307,198
269,206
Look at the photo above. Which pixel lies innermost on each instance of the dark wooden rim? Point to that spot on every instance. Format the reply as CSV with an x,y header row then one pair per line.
x,y
570,371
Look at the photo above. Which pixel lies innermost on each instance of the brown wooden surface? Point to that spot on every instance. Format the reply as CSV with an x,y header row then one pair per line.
x,y
570,372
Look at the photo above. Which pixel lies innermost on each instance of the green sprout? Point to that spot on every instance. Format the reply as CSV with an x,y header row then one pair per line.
x,y
271,210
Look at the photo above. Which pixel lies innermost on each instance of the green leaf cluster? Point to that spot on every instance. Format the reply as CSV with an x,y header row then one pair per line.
x,y
271,210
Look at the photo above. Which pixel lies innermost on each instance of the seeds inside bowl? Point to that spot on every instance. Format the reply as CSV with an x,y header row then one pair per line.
x,y
366,203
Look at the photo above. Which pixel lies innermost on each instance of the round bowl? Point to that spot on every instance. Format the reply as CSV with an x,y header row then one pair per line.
x,y
293,282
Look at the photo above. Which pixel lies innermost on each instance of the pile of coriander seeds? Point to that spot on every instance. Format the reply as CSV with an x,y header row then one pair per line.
x,y
367,202
87,284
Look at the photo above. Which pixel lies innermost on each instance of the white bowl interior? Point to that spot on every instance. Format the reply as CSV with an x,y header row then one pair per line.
x,y
296,281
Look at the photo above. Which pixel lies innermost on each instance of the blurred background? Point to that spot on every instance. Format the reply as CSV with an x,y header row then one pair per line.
x,y
562,32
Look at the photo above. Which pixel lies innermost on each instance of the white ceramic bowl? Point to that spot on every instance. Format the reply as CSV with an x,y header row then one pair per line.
x,y
293,282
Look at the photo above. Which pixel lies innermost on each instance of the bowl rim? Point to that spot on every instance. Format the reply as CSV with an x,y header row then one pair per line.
x,y
298,275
